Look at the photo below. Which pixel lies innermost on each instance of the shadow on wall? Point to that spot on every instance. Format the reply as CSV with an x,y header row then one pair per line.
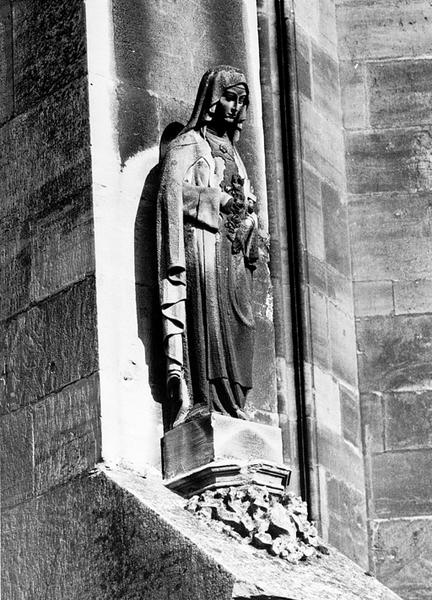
x,y
146,284
146,276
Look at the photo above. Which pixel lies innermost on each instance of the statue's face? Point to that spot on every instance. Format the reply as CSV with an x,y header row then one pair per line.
x,y
230,104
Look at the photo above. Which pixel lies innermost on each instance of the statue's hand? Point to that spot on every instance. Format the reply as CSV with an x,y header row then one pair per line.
x,y
226,202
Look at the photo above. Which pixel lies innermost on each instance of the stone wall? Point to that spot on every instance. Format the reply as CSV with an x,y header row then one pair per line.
x,y
49,411
81,131
385,51
337,476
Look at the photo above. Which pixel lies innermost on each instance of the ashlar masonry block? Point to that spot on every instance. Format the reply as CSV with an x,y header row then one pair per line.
x,y
402,483
400,93
16,457
392,231
49,48
403,550
383,28
389,160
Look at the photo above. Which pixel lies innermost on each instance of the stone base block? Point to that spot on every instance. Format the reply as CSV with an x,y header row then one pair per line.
x,y
218,451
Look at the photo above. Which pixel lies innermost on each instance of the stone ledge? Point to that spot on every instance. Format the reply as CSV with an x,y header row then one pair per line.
x,y
252,574
117,534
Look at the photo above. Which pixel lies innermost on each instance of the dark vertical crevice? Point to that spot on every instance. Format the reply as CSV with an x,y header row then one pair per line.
x,y
12,27
294,193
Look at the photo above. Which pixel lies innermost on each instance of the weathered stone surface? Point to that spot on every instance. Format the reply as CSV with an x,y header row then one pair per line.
x,y
54,194
389,160
327,401
399,93
45,141
265,417
317,274
350,416
51,345
347,519
343,345
49,49
317,19
50,442
373,298
392,232
47,240
394,352
326,91
290,448
140,111
322,144
319,330
413,296
402,487
313,214
342,460
121,535
16,457
307,17
353,94
15,265
86,540
303,58
263,395
340,290
66,433
372,422
383,28
325,280
143,47
403,548
408,420
62,247
335,229
6,64
327,26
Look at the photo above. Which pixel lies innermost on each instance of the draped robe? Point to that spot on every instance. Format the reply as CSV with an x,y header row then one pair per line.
x,y
205,289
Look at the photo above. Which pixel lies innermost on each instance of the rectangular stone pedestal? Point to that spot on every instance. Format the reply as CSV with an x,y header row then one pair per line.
x,y
218,451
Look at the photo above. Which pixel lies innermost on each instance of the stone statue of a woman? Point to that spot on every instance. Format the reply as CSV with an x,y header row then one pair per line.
x,y
207,249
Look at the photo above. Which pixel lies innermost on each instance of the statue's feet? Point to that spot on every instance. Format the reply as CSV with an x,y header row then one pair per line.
x,y
181,416
188,413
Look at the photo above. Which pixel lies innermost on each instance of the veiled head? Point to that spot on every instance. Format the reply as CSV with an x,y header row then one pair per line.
x,y
218,87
